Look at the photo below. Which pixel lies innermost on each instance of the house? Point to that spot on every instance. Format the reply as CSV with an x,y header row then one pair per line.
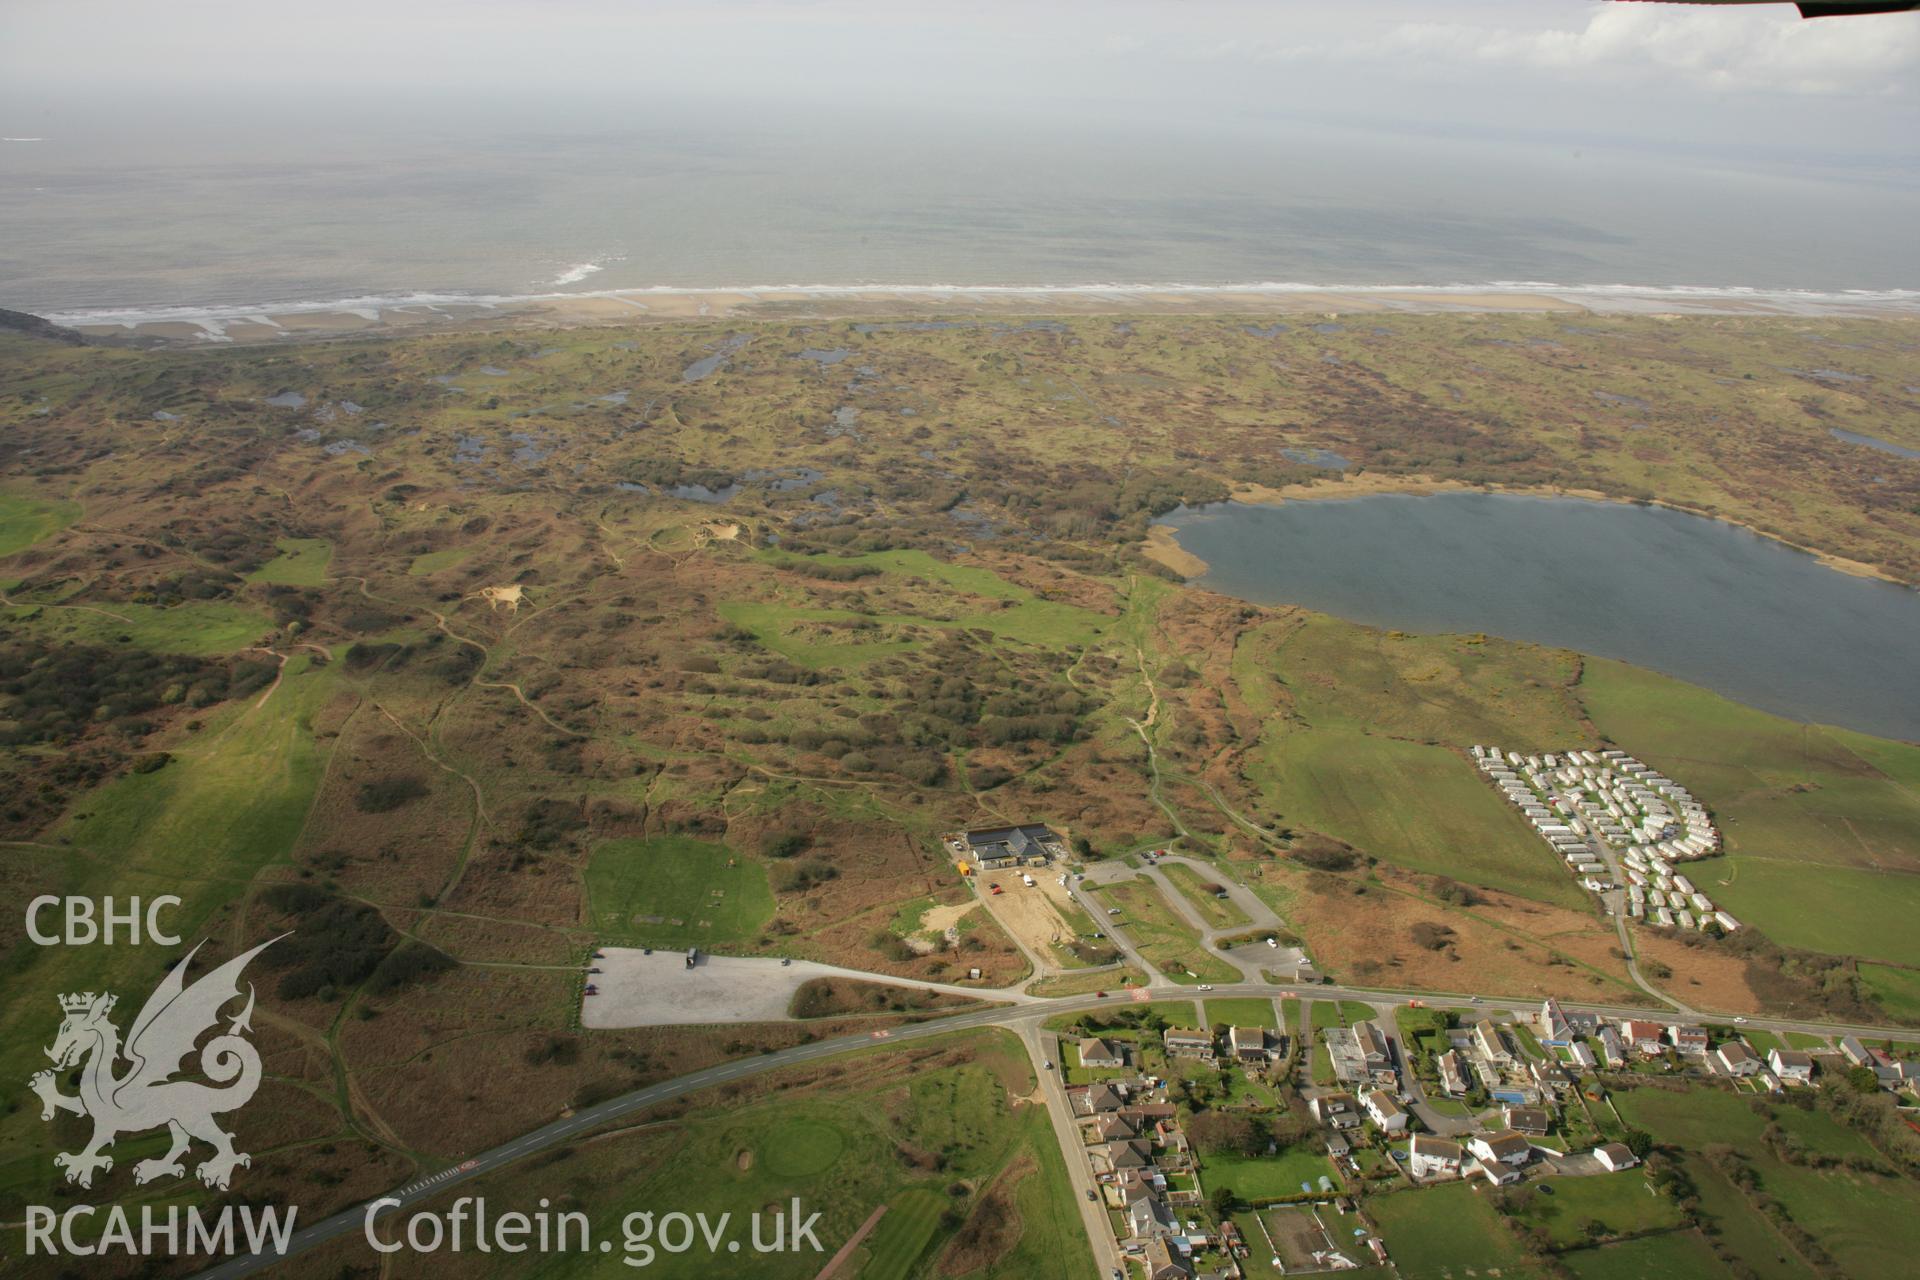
x,y
1388,1114
1528,1120
1505,1148
1455,1075
1184,1042
1854,1052
1689,1040
1162,1263
1735,1059
1490,1043
1647,1038
1111,1127
1336,1110
1134,1153
1098,1098
1249,1044
1614,1157
1372,1045
1148,1217
1791,1065
1612,1049
1338,1146
1582,1055
1102,1053
1429,1157
1559,1026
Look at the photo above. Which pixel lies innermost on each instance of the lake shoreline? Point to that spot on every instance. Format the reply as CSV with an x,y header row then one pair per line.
x,y
1167,549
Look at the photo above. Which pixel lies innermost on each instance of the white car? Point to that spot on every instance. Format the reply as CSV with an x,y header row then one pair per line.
x,y
1274,943
1206,986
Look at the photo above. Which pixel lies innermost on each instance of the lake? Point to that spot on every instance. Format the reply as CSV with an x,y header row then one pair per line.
x,y
1699,599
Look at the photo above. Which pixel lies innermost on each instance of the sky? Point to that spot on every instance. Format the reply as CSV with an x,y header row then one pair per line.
x,y
1741,81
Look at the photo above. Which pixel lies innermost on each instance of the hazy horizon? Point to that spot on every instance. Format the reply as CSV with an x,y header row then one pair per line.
x,y
221,154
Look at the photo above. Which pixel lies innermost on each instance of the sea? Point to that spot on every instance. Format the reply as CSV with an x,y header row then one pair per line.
x,y
164,209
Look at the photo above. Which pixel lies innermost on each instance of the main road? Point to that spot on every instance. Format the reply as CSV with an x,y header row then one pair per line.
x,y
1022,1019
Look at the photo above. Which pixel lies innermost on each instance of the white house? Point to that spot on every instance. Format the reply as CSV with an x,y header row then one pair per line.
x,y
1506,1148
1735,1059
1614,1157
1791,1065
1388,1114
1429,1157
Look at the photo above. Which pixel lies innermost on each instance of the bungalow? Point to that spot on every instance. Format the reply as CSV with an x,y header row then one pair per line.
x,y
1249,1044
1184,1042
1098,1098
1102,1053
1162,1263
1582,1055
1336,1110
1455,1075
1148,1217
1338,1146
1612,1048
1791,1065
1690,1040
1735,1059
1429,1157
1648,1038
1111,1127
1855,1053
1530,1120
1614,1157
1507,1148
1388,1114
1134,1153
1490,1043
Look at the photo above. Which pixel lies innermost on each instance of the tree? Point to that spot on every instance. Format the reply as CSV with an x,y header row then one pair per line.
x,y
1222,1201
1640,1142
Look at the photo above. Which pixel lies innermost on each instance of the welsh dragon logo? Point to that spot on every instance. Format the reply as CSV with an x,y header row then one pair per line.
x,y
146,1094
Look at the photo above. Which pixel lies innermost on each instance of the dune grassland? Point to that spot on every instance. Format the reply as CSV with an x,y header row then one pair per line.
x,y
462,654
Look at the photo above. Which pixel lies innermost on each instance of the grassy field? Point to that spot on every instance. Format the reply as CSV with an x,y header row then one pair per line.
x,y
26,520
1162,937
1673,1255
1219,913
1256,1178
1896,990
1822,826
200,627
835,1148
1625,1203
673,890
1418,806
1867,1222
1247,1012
302,562
1444,1231
434,561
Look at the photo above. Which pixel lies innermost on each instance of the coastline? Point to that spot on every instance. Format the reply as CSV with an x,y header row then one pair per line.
x,y
415,313
1163,546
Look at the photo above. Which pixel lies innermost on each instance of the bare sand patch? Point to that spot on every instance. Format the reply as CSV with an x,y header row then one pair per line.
x,y
508,596
1163,547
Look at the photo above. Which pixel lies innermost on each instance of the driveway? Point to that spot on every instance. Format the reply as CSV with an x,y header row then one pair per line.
x,y
658,990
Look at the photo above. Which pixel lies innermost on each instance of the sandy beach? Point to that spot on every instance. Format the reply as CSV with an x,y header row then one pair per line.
x,y
194,326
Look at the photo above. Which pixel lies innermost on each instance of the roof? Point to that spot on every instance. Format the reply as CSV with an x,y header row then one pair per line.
x,y
1508,1143
1425,1145
1792,1058
1381,1100
1096,1048
1734,1051
1616,1152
